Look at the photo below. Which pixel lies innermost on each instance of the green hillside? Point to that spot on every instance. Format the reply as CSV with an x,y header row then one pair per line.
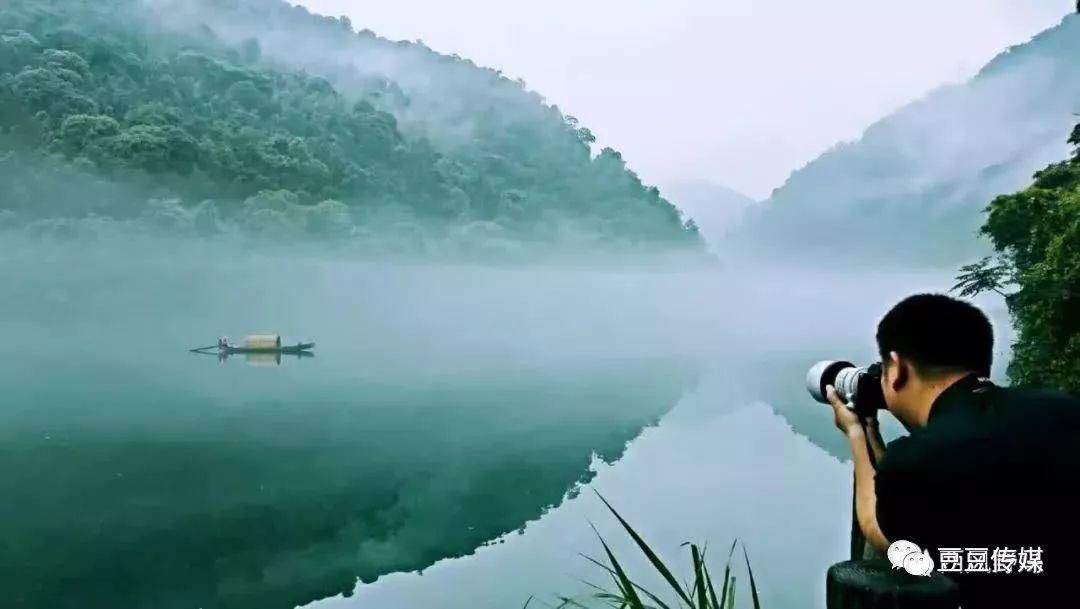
x,y
256,117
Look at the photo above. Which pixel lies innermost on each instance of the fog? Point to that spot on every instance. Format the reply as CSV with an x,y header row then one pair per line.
x,y
444,318
156,276
749,109
943,141
463,384
936,156
445,407
928,172
745,90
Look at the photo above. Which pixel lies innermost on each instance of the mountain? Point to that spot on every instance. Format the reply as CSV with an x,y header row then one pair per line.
x,y
913,188
714,208
258,117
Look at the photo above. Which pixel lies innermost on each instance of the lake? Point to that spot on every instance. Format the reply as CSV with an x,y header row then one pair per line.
x,y
444,447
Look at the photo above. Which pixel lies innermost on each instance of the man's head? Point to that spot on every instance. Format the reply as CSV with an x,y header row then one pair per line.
x,y
927,342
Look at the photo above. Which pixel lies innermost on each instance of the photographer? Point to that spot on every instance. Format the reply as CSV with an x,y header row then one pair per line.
x,y
986,471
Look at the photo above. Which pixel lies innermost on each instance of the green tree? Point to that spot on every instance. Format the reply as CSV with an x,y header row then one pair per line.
x,y
156,149
87,134
128,91
1036,233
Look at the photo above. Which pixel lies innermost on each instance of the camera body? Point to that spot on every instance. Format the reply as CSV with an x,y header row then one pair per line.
x,y
859,387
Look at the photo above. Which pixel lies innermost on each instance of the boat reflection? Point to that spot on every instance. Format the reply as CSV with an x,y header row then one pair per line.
x,y
263,360
258,360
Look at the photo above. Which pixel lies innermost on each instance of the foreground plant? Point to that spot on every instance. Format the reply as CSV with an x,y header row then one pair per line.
x,y
700,593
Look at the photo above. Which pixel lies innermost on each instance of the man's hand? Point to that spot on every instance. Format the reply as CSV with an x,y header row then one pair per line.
x,y
865,495
846,419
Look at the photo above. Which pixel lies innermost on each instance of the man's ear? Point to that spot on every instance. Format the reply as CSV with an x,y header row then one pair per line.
x,y
903,371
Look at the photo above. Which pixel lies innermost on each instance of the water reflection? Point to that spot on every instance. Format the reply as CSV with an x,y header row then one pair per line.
x,y
449,407
714,469
257,360
269,499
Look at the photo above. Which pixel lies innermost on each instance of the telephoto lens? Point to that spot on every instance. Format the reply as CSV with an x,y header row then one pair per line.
x,y
859,387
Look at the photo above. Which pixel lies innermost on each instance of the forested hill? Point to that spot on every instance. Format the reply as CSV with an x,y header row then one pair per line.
x,y
914,187
258,117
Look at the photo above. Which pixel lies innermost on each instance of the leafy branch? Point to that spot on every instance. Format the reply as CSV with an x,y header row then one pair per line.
x,y
989,274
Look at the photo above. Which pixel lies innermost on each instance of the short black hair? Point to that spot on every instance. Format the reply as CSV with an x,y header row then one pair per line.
x,y
938,334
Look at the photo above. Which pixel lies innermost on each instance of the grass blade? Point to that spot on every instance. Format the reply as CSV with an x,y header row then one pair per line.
x,y
653,558
699,578
712,591
569,602
659,603
753,586
593,586
727,577
626,586
731,596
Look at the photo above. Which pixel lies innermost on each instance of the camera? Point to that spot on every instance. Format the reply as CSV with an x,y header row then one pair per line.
x,y
859,387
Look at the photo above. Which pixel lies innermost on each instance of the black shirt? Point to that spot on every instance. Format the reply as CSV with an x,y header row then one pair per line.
x,y
996,469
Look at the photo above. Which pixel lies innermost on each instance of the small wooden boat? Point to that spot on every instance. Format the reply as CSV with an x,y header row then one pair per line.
x,y
260,344
286,349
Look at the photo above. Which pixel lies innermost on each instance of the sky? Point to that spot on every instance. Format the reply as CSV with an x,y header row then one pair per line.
x,y
734,92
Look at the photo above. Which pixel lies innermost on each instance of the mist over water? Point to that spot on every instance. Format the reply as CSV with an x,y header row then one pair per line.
x,y
446,407
178,171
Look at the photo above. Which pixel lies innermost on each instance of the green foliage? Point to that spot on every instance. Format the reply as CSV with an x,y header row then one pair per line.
x,y
150,96
700,593
1036,233
986,275
84,132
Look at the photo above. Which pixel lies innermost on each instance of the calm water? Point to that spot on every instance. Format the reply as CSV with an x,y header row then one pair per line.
x,y
441,449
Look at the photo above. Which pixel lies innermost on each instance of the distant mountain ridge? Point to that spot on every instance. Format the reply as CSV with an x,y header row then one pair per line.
x,y
713,207
915,184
